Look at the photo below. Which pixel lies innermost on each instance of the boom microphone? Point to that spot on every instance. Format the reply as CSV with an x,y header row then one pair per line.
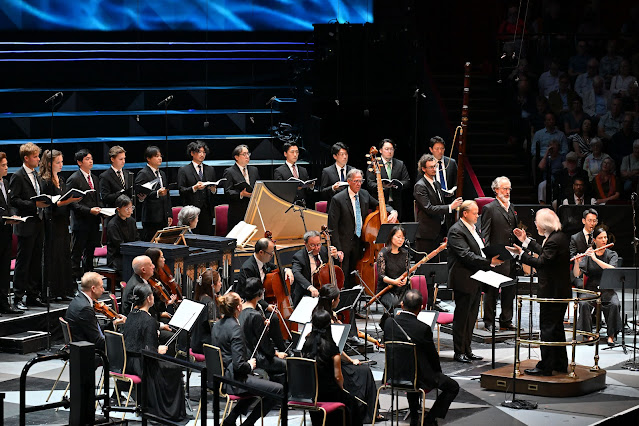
x,y
166,101
53,97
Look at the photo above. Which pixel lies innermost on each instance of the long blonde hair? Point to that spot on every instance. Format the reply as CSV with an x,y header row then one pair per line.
x,y
45,166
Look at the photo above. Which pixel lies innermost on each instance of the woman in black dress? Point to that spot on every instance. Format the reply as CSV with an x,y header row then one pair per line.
x,y
207,288
319,345
57,242
227,335
120,229
592,265
358,378
164,390
391,264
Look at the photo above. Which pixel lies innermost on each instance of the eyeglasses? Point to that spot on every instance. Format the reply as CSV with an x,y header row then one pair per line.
x,y
430,167
246,154
270,253
506,189
315,245
130,208
358,181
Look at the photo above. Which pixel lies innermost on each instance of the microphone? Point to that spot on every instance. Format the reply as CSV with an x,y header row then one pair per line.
x,y
289,208
53,97
166,100
355,272
270,101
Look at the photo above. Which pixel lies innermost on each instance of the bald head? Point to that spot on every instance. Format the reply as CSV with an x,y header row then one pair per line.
x,y
143,267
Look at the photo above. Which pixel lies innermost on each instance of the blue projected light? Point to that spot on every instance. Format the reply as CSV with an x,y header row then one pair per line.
x,y
179,15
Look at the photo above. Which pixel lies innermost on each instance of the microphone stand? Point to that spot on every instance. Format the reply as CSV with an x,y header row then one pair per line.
x,y
297,208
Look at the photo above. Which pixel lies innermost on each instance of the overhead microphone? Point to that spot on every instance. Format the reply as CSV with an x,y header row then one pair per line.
x,y
166,100
60,94
270,101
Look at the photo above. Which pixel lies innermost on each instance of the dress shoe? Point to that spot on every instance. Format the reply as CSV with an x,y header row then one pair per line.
x,y
471,356
508,328
20,306
8,309
488,328
461,358
36,301
537,372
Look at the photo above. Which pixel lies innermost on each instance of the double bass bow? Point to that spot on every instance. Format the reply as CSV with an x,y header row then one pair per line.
x,y
277,291
328,273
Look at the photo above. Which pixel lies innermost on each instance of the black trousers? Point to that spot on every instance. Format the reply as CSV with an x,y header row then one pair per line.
x,y
267,403
551,326
466,309
205,221
5,263
448,390
27,277
351,256
83,244
490,304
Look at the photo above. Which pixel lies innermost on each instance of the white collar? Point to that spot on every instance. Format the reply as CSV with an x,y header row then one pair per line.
x,y
27,169
86,175
507,206
87,296
260,264
290,165
241,167
154,170
196,165
586,233
470,227
116,170
429,180
351,194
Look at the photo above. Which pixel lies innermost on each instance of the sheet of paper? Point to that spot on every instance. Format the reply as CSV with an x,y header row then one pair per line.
x,y
107,211
428,317
491,278
339,332
304,310
186,314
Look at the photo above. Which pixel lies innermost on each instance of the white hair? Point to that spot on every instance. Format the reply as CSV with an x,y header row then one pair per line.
x,y
547,220
497,181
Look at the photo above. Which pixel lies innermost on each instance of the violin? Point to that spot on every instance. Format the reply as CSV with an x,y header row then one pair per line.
x,y
328,273
104,309
164,274
277,290
159,289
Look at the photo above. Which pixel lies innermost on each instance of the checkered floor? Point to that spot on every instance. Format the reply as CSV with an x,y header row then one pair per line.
x,y
473,406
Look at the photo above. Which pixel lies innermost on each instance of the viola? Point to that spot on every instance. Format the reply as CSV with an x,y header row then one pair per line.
x,y
159,289
164,274
277,290
328,273
104,309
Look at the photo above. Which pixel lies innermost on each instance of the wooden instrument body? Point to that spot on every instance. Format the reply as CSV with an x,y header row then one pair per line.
x,y
158,289
164,274
275,294
102,308
328,273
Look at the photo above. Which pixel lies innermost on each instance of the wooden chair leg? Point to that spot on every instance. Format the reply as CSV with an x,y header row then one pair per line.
x,y
438,329
199,407
376,404
57,380
128,398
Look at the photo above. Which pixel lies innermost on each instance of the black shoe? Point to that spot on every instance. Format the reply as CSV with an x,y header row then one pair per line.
x,y
36,301
20,306
471,356
509,327
537,372
461,358
8,309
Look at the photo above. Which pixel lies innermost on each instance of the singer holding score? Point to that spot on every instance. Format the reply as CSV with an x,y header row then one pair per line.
x,y
554,283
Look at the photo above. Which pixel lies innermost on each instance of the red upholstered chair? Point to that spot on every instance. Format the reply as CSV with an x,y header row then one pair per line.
x,y
175,211
418,282
222,220
321,206
116,351
482,201
197,357
14,250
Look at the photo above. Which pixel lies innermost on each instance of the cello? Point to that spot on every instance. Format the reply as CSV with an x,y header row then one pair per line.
x,y
328,273
277,291
370,228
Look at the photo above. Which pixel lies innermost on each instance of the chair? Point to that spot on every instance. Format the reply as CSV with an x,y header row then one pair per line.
x,y
66,333
196,356
222,220
400,375
110,274
419,282
215,367
482,201
116,352
175,211
301,374
321,206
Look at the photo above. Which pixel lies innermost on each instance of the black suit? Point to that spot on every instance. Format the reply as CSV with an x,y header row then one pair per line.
x,y
85,226
127,294
429,371
578,245
283,172
156,209
464,259
6,235
203,199
341,220
111,186
27,278
237,205
328,178
302,273
399,172
497,228
83,322
553,273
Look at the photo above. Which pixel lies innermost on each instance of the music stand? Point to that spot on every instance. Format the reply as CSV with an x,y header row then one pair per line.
x,y
437,272
611,279
348,299
171,235
410,230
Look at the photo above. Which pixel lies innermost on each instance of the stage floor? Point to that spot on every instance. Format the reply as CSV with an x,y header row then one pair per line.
x,y
473,406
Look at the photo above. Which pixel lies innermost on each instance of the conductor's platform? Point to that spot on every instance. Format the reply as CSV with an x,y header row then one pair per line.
x,y
557,385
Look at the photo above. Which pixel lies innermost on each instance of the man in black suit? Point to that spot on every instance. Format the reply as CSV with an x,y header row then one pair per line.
x,y
142,270
192,190
580,194
407,328
236,175
156,205
114,181
290,169
305,262
346,216
80,314
390,168
432,212
498,219
334,175
85,215
6,235
465,257
25,184
553,273
445,167
582,240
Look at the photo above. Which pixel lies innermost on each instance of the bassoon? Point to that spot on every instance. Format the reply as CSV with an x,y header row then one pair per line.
x,y
461,153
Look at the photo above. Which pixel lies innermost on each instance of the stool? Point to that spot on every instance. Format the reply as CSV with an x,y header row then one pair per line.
x,y
112,276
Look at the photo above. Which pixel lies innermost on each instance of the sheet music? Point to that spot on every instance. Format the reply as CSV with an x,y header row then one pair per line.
x,y
304,310
339,332
491,278
186,314
428,317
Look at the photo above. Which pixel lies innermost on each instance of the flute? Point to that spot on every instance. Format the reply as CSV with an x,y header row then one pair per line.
x,y
579,256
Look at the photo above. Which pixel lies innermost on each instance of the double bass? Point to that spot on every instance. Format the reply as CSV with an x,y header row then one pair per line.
x,y
328,273
366,265
277,291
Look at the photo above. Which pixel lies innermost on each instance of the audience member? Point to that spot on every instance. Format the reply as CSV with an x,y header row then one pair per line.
x,y
578,63
550,165
611,121
610,63
564,178
581,140
592,163
561,99
630,169
580,195
606,184
622,81
597,99
575,117
548,133
584,81
621,143
549,80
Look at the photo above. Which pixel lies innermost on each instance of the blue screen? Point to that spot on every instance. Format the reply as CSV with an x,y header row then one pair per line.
x,y
179,15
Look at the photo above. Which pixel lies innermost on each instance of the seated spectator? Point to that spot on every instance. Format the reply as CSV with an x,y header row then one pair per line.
x,y
611,122
120,229
578,63
606,185
579,195
630,102
189,215
581,140
592,163
622,81
537,118
522,108
630,169
550,165
560,100
563,180
597,99
610,64
549,80
575,118
548,133
621,143
584,81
